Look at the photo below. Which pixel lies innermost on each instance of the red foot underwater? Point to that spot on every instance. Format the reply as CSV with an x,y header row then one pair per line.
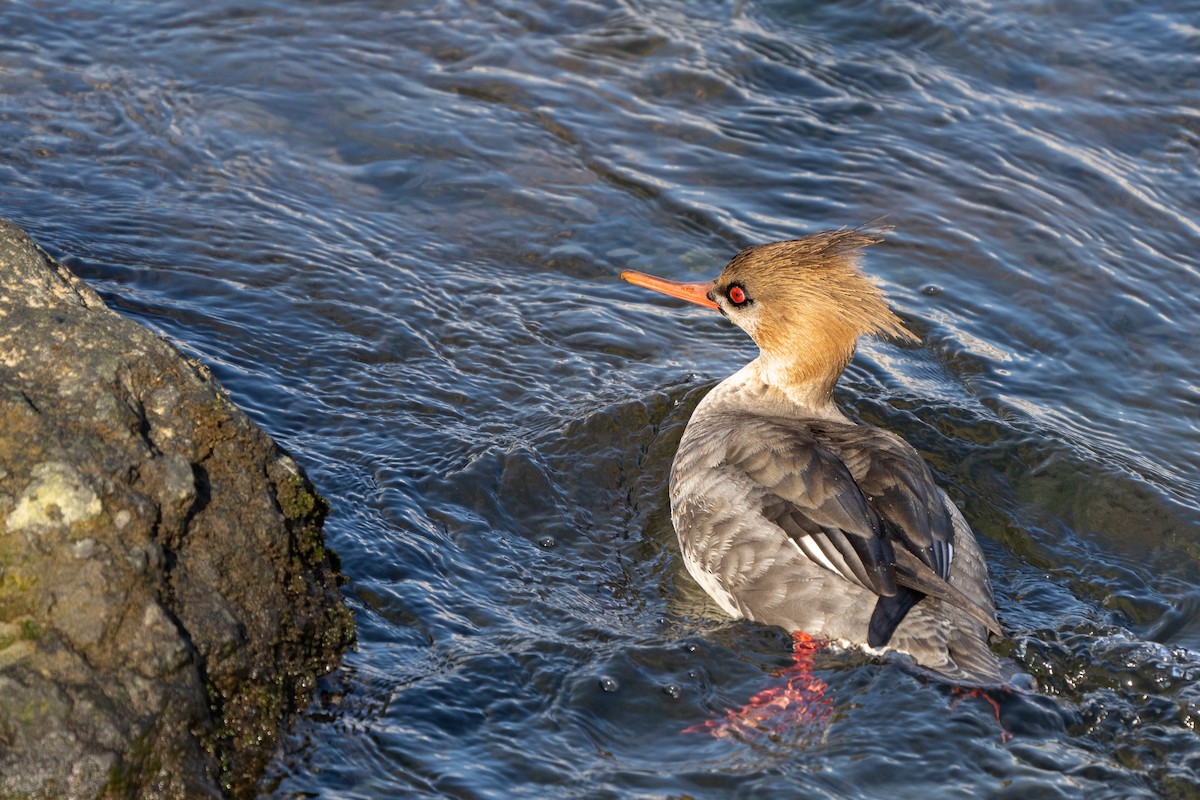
x,y
799,703
985,696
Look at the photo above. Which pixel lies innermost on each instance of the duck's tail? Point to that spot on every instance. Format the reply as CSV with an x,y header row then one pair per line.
x,y
950,646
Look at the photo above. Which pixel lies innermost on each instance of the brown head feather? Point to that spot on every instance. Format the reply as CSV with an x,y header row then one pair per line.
x,y
819,276
809,303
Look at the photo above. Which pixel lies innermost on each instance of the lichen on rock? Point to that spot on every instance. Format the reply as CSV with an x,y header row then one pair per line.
x,y
57,497
166,595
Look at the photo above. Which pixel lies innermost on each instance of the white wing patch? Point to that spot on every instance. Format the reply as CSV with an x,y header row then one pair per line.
x,y
810,549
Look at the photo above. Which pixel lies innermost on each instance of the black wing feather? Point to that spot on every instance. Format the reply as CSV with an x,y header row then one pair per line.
x,y
889,613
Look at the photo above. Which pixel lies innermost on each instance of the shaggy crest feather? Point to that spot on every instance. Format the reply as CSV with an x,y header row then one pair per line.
x,y
820,275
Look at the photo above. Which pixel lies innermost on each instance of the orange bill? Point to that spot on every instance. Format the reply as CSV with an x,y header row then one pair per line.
x,y
692,292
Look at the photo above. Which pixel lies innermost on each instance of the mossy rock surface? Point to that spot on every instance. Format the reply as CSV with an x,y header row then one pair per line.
x,y
166,595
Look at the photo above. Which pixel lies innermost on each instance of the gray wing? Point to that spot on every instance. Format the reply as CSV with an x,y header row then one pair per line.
x,y
901,490
862,506
915,515
811,495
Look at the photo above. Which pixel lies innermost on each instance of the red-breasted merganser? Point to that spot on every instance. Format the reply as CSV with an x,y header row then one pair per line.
x,y
790,514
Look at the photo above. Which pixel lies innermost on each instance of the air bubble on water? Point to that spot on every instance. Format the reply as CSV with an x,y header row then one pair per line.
x,y
672,691
607,684
547,542
931,290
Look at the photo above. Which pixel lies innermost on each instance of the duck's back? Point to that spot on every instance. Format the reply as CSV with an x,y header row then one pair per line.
x,y
837,530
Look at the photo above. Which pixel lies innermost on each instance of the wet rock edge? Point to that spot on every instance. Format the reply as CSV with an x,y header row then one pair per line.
x,y
166,595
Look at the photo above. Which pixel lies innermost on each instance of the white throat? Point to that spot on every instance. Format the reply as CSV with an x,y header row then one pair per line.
x,y
761,387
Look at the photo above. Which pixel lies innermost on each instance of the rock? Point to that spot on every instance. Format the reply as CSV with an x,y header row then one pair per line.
x,y
166,597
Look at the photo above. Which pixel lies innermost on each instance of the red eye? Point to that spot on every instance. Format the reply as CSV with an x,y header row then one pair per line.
x,y
737,295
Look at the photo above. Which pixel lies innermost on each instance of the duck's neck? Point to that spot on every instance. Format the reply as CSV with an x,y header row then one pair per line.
x,y
766,386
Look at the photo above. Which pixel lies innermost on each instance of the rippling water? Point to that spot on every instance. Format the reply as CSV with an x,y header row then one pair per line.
x,y
395,235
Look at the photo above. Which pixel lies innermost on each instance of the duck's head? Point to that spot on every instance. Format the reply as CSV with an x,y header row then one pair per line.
x,y
804,302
